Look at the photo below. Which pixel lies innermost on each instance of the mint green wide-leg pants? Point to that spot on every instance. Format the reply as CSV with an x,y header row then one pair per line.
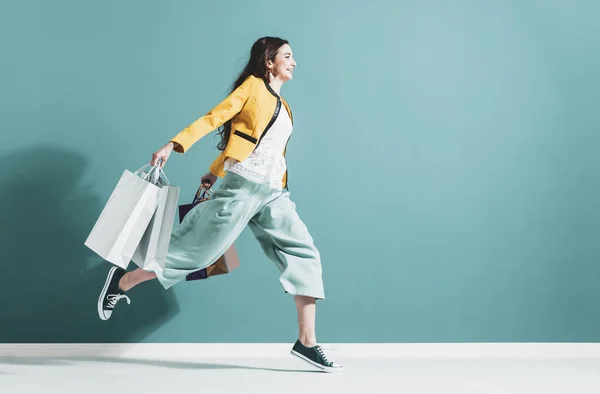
x,y
212,226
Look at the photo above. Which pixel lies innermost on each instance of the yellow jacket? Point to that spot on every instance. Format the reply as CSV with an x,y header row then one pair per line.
x,y
252,108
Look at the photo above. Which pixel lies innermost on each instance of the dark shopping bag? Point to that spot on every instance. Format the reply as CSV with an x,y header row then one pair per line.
x,y
227,262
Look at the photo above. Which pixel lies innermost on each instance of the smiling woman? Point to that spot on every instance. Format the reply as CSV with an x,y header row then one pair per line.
x,y
254,135
271,59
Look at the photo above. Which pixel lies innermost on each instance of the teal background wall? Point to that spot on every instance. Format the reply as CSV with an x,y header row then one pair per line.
x,y
444,157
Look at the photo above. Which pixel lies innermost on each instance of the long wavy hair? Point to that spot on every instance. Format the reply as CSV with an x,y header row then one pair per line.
x,y
263,50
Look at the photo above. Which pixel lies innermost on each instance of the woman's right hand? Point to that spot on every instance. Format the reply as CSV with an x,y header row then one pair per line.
x,y
163,153
209,177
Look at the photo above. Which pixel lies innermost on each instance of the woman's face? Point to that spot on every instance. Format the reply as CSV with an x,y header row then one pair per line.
x,y
284,64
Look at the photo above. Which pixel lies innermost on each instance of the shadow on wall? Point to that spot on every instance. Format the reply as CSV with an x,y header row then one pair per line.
x,y
50,280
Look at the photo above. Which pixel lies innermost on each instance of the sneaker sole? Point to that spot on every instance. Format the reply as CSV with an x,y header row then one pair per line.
x,y
321,367
103,293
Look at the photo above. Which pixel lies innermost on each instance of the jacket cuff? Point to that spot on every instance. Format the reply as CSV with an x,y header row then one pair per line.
x,y
182,142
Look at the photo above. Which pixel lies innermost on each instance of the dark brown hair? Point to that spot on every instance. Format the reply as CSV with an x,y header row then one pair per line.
x,y
263,50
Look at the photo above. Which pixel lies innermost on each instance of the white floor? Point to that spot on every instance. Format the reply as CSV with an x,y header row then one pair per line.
x,y
288,375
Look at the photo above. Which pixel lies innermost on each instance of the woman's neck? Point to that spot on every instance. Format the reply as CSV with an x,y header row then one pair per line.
x,y
276,85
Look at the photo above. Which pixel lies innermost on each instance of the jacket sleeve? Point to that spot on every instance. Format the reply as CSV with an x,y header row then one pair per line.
x,y
220,114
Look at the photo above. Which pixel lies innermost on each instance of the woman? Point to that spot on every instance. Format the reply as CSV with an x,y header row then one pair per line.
x,y
255,125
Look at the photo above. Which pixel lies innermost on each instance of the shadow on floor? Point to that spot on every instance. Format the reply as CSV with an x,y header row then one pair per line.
x,y
47,361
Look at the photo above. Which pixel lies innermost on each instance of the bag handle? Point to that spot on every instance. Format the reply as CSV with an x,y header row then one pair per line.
x,y
156,170
143,168
153,171
197,195
162,173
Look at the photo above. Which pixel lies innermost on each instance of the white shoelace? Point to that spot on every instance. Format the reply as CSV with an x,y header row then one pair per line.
x,y
322,353
114,298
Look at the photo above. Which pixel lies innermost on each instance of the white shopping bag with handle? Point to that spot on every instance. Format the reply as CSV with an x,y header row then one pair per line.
x,y
125,217
151,253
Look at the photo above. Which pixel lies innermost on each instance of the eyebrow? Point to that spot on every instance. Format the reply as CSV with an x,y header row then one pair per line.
x,y
287,53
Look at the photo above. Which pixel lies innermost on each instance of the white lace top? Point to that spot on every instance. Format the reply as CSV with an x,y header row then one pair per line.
x,y
266,164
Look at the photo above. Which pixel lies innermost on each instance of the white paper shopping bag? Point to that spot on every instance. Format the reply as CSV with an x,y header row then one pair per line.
x,y
152,250
124,219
